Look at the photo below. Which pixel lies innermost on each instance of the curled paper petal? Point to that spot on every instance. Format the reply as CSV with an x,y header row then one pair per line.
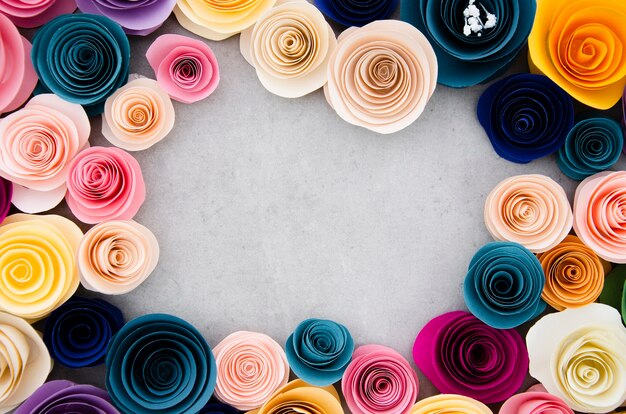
x,y
114,257
217,408
18,74
357,13
459,354
319,351
600,215
64,396
574,274
38,264
302,398
578,355
449,403
177,373
593,145
77,333
379,380
34,13
136,17
535,403
138,115
6,194
82,58
218,20
473,44
578,44
25,361
381,76
503,285
250,368
105,184
614,292
185,68
531,210
525,117
290,47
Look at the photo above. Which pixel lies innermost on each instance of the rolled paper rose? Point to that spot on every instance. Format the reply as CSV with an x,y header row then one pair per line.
x,y
18,75
6,195
379,380
38,264
138,115
357,13
104,184
218,20
82,58
114,257
593,145
578,355
290,47
614,292
302,398
535,403
217,408
624,117
578,44
574,274
475,40
185,68
33,13
136,17
525,117
503,285
381,75
319,351
449,403
250,368
460,354
600,216
62,396
77,333
177,373
531,210
37,144
25,361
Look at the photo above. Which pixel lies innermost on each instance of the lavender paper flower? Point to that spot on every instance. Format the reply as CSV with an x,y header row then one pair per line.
x,y
66,397
137,17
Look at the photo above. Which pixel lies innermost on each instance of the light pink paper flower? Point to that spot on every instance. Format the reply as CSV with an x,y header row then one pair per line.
x,y
33,13
531,402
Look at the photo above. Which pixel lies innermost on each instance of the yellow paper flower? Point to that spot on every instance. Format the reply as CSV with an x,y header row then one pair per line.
x,y
300,397
579,44
450,404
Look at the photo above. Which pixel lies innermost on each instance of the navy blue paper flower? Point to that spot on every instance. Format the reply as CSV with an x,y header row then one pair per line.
x,y
474,40
78,332
503,285
525,117
160,364
218,408
357,12
593,145
83,58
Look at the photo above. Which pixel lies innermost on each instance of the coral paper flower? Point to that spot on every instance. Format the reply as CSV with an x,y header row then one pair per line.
x,y
302,398
535,403
33,13
449,403
137,17
66,397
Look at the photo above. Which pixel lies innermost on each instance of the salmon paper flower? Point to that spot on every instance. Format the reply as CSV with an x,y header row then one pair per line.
x,y
381,75
449,403
579,45
302,398
137,17
33,13
62,396
535,403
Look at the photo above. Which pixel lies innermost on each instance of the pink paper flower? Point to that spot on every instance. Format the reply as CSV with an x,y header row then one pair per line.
x,y
34,13
535,403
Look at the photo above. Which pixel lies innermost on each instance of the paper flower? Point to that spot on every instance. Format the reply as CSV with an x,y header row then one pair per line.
x,y
37,258
578,355
355,12
33,13
525,117
599,218
138,115
614,292
136,17
37,144
593,145
185,68
178,369
381,75
475,40
319,351
24,359
104,184
217,408
298,396
114,257
459,354
531,210
82,58
578,44
449,403
503,285
218,20
64,396
18,75
535,403
250,368
6,195
290,47
379,380
77,333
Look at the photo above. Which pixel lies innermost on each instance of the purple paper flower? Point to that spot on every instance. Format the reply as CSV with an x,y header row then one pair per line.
x,y
137,17
65,397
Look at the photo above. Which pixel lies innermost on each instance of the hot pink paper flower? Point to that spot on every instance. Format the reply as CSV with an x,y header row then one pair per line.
x,y
34,13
